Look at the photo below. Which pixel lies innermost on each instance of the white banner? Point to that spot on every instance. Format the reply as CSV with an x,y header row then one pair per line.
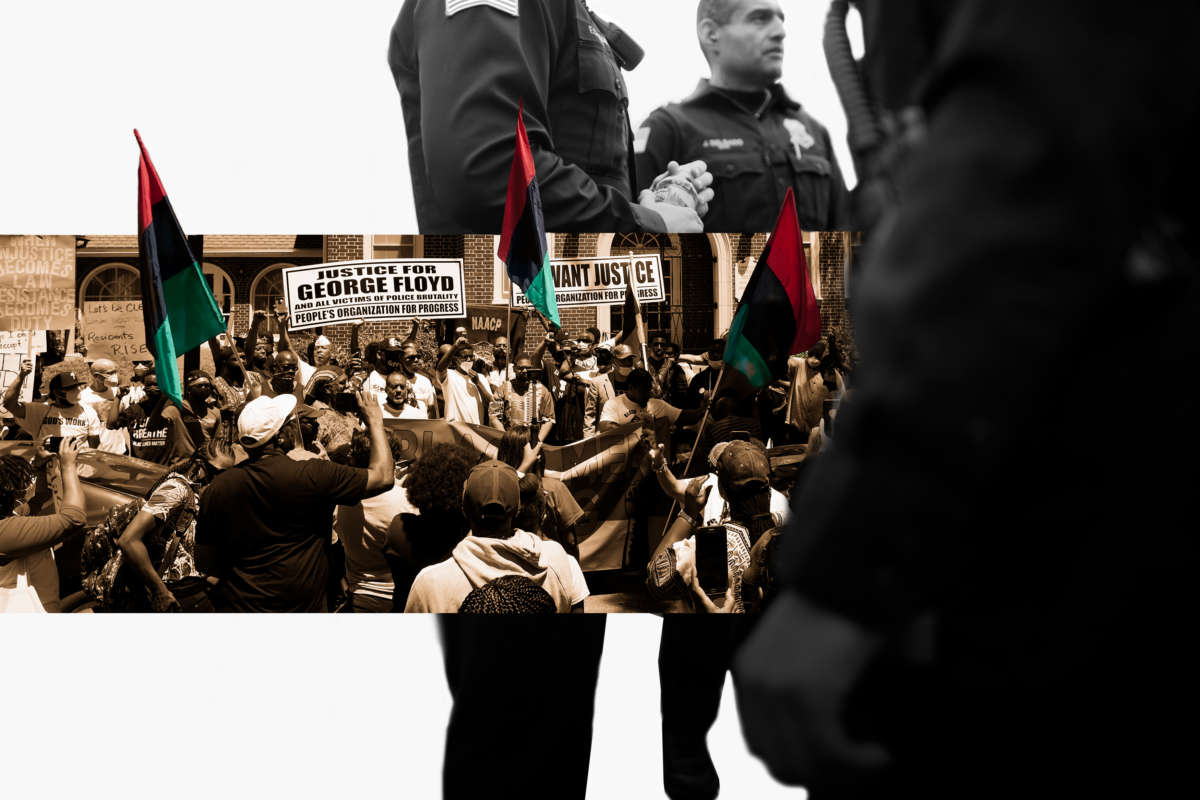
x,y
328,294
15,346
599,281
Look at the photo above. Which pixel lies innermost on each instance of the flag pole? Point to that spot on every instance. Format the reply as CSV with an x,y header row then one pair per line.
x,y
692,454
641,327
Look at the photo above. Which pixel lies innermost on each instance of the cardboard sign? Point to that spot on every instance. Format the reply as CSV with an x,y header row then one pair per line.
x,y
115,330
599,281
327,294
15,346
37,283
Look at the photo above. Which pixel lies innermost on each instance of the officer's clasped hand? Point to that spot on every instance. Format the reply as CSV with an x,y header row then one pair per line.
x,y
688,185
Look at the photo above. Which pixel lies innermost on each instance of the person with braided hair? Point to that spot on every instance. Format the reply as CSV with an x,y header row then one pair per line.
x,y
508,594
160,542
491,500
25,541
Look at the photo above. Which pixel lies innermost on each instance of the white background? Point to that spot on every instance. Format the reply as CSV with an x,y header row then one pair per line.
x,y
276,117
267,117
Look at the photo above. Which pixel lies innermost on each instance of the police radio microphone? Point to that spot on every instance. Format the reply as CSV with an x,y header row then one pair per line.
x,y
628,52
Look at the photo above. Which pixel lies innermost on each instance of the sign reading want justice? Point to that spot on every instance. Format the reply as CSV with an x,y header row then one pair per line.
x,y
596,281
326,294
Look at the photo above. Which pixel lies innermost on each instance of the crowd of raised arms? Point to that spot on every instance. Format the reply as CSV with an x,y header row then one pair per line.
x,y
286,486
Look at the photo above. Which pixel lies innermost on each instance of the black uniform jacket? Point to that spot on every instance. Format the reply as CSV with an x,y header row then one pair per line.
x,y
462,72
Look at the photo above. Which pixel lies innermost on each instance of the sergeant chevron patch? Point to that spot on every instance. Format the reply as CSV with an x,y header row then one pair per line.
x,y
507,6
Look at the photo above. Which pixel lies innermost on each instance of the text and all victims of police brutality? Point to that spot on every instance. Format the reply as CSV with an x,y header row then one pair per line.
x,y
323,294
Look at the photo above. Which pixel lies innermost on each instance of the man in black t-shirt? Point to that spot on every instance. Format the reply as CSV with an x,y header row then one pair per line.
x,y
268,520
159,437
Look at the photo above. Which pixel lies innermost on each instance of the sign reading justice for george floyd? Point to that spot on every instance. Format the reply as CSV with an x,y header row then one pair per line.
x,y
327,294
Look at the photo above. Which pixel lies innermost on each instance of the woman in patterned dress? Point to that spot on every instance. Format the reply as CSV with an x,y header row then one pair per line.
x,y
159,543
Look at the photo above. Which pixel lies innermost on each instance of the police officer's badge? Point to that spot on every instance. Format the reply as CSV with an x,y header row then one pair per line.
x,y
801,138
455,6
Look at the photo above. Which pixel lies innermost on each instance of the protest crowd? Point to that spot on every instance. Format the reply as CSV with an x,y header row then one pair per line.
x,y
287,486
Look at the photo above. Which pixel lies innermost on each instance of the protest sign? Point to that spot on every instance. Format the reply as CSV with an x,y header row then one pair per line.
x,y
37,283
115,330
15,346
603,473
484,322
599,281
325,294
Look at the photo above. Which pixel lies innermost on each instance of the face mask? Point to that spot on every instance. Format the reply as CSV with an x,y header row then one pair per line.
x,y
465,365
111,380
623,371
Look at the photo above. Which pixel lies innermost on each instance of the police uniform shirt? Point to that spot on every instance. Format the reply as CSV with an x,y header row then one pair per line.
x,y
462,67
756,145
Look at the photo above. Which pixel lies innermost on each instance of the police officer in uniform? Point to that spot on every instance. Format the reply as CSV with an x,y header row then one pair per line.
x,y
462,67
1007,623
756,140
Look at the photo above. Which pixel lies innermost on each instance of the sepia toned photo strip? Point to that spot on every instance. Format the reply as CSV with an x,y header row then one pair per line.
x,y
608,426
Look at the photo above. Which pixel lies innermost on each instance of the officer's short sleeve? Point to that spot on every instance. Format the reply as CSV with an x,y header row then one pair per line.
x,y
475,66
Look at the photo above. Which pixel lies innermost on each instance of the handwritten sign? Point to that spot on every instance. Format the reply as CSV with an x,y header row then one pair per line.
x,y
37,283
115,330
324,294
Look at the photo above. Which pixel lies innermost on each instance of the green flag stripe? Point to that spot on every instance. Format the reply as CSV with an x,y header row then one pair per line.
x,y
541,292
164,364
193,312
741,355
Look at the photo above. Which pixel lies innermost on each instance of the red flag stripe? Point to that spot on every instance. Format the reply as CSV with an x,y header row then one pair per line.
x,y
150,188
519,179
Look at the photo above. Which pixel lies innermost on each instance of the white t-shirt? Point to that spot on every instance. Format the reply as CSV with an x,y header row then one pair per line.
x,y
621,409
422,389
62,422
362,530
464,403
111,441
407,412
497,378
306,370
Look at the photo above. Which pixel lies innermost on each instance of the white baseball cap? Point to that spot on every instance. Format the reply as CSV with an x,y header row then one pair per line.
x,y
262,418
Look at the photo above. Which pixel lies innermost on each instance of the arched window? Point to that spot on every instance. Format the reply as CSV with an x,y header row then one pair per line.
x,y
112,282
265,292
221,285
667,316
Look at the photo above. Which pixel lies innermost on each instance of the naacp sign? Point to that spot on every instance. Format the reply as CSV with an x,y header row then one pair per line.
x,y
328,294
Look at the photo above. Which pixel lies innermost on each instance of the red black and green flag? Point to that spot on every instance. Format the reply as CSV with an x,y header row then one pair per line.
x,y
778,314
633,331
178,306
523,235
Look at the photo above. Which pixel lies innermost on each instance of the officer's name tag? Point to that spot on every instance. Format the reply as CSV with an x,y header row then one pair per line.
x,y
722,144
455,6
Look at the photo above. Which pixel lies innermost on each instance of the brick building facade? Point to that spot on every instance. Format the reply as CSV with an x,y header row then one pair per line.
x,y
704,274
